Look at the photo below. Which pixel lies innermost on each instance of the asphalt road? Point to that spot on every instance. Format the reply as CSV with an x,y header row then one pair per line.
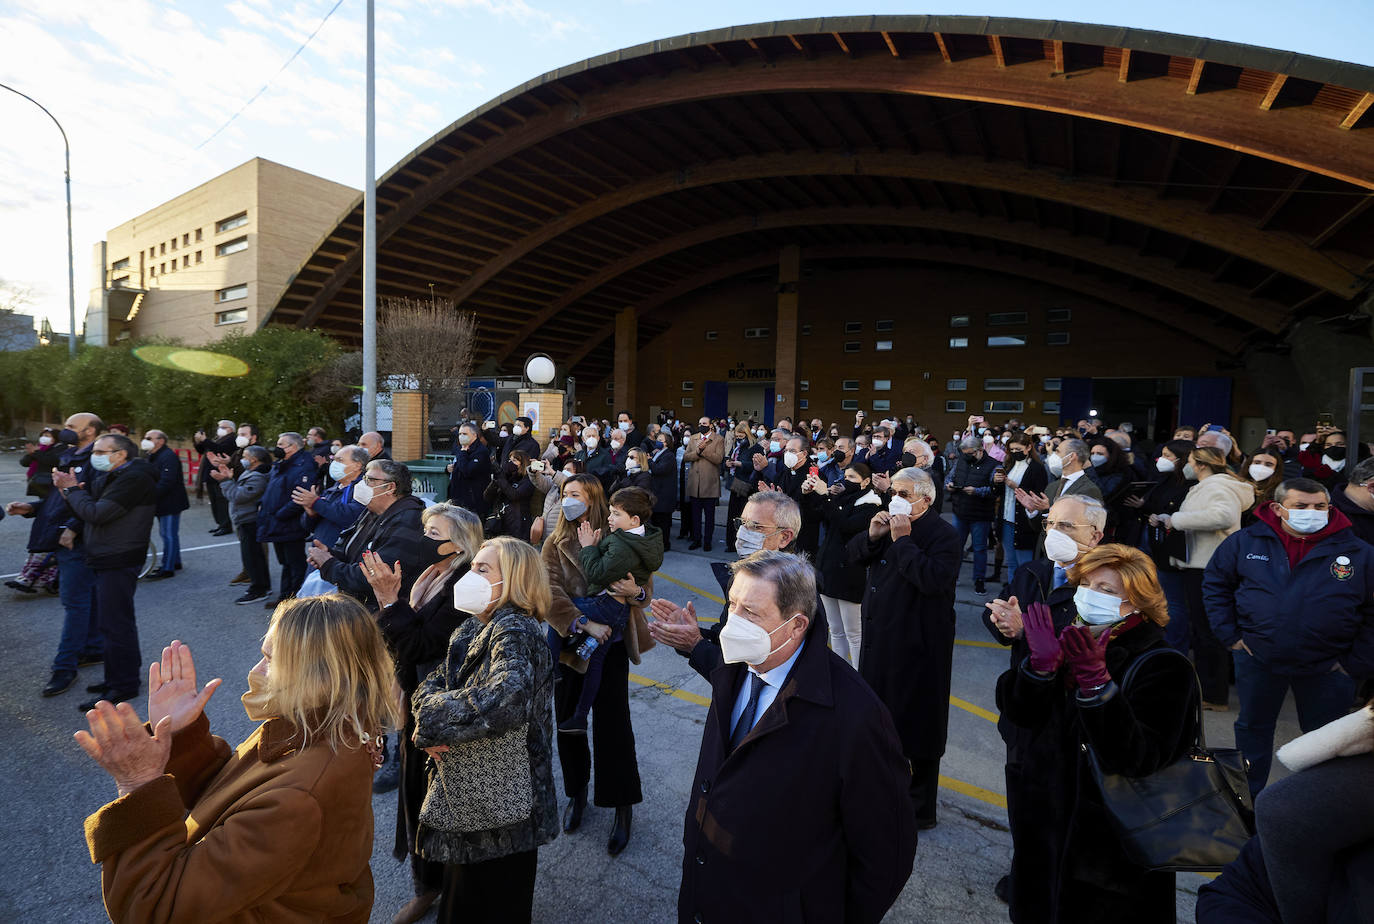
x,y
46,874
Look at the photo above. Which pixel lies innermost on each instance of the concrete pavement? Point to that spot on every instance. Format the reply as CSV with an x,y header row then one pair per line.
x,y
52,785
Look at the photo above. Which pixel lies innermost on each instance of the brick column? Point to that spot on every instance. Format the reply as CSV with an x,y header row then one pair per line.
x,y
409,425
786,331
626,362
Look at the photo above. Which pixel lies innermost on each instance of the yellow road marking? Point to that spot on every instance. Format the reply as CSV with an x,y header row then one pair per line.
x,y
973,644
947,782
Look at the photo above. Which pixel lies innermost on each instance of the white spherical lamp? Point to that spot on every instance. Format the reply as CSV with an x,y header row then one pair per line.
x,y
539,369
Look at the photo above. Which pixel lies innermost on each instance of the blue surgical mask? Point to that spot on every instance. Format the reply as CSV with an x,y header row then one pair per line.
x,y
337,470
101,463
822,457
774,446
573,508
1096,608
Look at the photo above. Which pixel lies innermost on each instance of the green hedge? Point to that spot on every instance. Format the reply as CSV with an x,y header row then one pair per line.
x,y
293,383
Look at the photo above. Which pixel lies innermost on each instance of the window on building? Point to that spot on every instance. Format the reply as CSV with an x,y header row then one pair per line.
x,y
958,343
152,251
688,385
756,333
804,404
174,243
1003,407
198,238
849,404
232,316
853,327
119,282
804,385
883,346
806,330
232,222
174,264
955,407
186,239
1050,407
1059,315
882,384
711,334
610,386
186,260
1050,384
198,253
610,402
849,385
162,267
234,246
882,327
1004,384
1006,318
118,265
1007,340
152,271
686,402
164,246
956,384
1057,338
882,404
230,293
958,320
851,346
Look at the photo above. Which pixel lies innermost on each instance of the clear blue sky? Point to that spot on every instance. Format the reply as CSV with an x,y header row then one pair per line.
x,y
139,84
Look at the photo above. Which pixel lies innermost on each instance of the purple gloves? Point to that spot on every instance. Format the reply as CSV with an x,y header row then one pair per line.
x,y
1045,654
1087,656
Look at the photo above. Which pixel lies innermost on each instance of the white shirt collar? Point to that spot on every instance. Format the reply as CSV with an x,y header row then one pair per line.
x,y
778,675
1070,479
637,531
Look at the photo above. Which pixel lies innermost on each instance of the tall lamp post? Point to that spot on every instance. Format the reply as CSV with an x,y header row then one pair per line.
x,y
369,408
71,274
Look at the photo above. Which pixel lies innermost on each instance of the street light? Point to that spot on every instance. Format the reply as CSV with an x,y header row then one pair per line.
x,y
71,274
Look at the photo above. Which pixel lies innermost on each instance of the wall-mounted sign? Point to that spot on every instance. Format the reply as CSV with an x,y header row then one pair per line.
x,y
742,373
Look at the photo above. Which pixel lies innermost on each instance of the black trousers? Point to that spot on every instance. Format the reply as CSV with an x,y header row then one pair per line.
x,y
612,738
1210,657
219,504
254,559
291,556
499,891
925,785
704,518
114,590
734,511
684,510
664,521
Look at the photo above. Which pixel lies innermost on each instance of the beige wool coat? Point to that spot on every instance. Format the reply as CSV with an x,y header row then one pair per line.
x,y
705,454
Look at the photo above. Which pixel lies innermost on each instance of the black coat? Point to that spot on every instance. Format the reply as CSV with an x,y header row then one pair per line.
x,y
171,482
525,442
765,842
469,479
515,492
978,507
1077,871
225,446
395,535
908,628
116,515
844,518
279,518
789,481
663,481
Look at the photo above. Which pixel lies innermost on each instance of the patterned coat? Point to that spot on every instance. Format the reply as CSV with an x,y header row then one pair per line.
x,y
497,676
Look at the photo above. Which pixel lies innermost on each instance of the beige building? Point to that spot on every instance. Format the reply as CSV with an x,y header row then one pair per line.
x,y
212,260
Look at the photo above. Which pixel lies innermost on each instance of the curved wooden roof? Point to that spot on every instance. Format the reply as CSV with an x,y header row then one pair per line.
x,y
1220,189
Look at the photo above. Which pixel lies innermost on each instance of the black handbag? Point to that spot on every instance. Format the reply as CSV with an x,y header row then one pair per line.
x,y
1193,815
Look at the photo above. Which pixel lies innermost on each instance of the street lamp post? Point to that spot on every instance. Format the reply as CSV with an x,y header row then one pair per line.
x,y
71,273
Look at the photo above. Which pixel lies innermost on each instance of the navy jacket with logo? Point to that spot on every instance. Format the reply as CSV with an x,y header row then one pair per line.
x,y
1298,620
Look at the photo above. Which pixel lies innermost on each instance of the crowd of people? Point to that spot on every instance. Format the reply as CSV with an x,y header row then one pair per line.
x,y
451,644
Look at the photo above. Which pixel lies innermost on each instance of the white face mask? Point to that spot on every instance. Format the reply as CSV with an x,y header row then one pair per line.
x,y
790,459
1060,547
1334,464
616,444
45,441
505,434
748,541
744,641
591,442
474,593
241,441
631,466
1165,465
760,433
518,430
1096,608
1308,522
464,439
222,432
1261,472
364,493
879,443
1056,465
146,445
899,506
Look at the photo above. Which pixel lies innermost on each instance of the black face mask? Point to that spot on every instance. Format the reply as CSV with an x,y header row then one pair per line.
x,y
1017,455
703,430
1336,453
908,460
69,436
839,458
278,453
852,488
971,456
658,445
432,546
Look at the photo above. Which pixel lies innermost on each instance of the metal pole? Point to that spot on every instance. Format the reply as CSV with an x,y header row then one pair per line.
x,y
71,272
370,239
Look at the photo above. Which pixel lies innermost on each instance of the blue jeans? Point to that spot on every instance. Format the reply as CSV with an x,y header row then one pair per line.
x,y
1176,632
169,531
1320,698
979,529
1011,555
80,626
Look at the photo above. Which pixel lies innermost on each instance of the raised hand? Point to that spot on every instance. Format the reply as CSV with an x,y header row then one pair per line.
x,y
586,536
879,525
119,743
1045,653
385,579
172,692
1007,617
1086,656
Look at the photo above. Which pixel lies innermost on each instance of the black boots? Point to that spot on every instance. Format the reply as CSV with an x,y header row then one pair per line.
x,y
620,833
572,814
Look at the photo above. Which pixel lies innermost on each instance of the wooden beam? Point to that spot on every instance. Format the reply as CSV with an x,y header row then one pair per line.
x,y
1336,226
1357,111
801,46
1060,65
1195,78
763,56
1272,94
944,49
1123,70
995,43
891,45
1282,199
844,46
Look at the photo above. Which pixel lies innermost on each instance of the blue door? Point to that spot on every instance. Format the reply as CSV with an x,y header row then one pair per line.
x,y
716,402
768,405
1075,399
1204,400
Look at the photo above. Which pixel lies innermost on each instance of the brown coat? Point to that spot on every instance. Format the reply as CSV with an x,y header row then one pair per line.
x,y
703,478
263,833
566,581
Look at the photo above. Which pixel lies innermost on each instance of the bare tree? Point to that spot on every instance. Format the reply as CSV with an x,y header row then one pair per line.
x,y
14,296
427,341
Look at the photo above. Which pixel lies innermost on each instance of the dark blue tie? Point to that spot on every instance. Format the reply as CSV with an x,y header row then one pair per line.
x,y
1060,577
746,719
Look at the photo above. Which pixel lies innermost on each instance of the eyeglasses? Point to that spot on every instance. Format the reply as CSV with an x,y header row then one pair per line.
x,y
371,480
1062,525
755,526
104,452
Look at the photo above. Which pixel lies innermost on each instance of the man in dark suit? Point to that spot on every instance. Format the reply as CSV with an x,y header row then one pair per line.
x,y
520,438
634,439
788,475
221,445
1070,466
751,846
171,501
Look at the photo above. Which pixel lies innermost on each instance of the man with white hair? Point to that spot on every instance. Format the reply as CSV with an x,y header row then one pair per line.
x,y
221,444
171,500
907,655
